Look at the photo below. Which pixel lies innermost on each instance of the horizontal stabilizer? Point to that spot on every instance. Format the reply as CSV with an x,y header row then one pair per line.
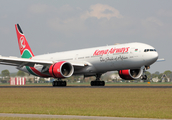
x,y
160,60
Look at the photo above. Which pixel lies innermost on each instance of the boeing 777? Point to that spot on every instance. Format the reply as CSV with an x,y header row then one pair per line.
x,y
130,60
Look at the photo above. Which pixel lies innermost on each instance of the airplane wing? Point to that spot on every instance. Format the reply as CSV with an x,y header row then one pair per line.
x,y
15,61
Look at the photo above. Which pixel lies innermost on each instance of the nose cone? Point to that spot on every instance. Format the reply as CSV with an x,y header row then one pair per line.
x,y
152,57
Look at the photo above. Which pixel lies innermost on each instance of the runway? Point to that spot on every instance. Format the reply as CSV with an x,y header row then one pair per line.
x,y
73,117
87,87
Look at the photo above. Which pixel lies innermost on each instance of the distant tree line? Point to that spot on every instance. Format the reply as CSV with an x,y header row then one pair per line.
x,y
166,74
5,76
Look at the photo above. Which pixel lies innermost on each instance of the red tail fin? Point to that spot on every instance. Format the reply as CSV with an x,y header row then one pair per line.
x,y
24,47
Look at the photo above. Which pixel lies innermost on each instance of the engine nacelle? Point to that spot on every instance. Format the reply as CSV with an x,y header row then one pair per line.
x,y
61,69
132,74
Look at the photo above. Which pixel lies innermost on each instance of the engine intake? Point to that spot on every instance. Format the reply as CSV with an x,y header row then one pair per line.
x,y
61,69
132,74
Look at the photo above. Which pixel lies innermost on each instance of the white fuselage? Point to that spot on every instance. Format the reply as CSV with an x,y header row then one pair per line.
x,y
106,58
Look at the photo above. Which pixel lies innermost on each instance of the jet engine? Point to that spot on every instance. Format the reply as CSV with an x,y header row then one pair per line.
x,y
61,69
130,74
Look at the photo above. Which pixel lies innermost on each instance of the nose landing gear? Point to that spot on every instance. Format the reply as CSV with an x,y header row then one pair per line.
x,y
144,77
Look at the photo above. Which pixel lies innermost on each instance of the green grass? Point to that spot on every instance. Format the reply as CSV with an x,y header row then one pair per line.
x,y
21,118
115,102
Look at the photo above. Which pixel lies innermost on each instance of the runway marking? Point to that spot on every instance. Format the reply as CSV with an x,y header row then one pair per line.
x,y
73,117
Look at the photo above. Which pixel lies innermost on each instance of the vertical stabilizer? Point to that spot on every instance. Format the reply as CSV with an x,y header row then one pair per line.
x,y
24,47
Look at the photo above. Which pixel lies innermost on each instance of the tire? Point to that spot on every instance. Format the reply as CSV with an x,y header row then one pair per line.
x,y
59,83
145,77
97,83
53,83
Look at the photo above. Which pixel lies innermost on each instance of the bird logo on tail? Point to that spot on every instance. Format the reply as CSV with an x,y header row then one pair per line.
x,y
24,47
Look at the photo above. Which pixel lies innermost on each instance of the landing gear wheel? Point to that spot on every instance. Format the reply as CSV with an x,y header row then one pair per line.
x,y
59,83
144,77
97,83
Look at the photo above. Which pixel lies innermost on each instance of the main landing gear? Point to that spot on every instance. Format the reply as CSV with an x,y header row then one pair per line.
x,y
59,83
97,82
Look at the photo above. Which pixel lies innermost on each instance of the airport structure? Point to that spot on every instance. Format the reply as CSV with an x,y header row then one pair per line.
x,y
17,81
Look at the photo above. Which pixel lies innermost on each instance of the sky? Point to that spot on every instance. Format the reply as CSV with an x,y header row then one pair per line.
x,y
63,25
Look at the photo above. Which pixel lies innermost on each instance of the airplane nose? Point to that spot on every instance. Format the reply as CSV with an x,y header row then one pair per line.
x,y
151,58
154,56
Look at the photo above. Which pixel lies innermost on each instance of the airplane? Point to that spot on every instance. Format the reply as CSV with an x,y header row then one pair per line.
x,y
131,60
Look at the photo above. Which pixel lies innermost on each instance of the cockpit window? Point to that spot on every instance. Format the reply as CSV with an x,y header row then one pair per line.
x,y
147,50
